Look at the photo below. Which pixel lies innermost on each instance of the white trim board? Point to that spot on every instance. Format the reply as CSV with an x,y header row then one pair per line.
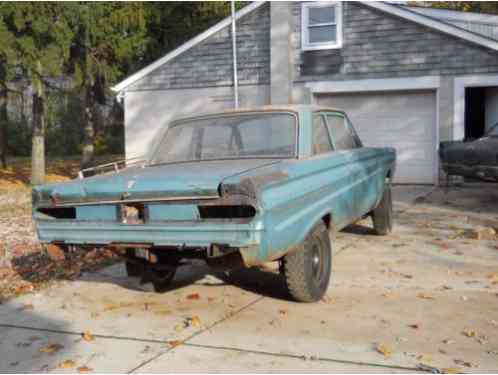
x,y
186,46
369,85
460,83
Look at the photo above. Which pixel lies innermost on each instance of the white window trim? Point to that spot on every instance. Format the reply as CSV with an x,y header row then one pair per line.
x,y
305,45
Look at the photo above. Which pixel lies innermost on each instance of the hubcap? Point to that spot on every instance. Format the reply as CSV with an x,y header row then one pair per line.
x,y
316,263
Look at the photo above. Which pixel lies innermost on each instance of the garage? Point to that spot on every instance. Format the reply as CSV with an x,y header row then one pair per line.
x,y
405,120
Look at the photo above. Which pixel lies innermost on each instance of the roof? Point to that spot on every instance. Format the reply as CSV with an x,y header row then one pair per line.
x,y
464,27
480,23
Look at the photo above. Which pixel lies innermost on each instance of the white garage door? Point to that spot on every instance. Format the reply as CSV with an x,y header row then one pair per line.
x,y
403,120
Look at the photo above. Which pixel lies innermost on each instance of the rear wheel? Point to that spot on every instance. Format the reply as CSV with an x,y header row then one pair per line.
x,y
382,215
161,279
133,269
307,271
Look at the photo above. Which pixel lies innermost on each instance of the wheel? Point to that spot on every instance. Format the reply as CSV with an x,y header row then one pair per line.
x,y
133,269
161,279
382,215
307,271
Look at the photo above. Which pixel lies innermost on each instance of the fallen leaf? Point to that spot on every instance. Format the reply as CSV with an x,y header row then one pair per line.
x,y
68,363
51,348
469,332
424,296
450,370
179,327
194,296
175,343
87,336
195,321
84,369
424,358
27,306
384,350
463,363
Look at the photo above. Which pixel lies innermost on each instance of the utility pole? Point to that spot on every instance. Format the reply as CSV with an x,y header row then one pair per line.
x,y
234,51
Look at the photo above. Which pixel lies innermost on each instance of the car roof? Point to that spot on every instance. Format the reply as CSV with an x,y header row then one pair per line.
x,y
266,108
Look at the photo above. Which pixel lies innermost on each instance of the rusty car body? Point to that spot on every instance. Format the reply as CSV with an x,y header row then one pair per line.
x,y
256,183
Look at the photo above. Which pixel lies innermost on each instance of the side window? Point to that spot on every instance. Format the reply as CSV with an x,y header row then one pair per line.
x,y
341,133
321,139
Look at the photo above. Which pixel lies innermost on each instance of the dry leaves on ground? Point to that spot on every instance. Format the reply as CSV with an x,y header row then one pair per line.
x,y
175,343
84,369
51,348
193,296
384,350
469,332
87,336
425,296
67,364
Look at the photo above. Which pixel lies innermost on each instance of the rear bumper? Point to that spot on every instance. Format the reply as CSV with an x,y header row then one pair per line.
x,y
248,237
481,171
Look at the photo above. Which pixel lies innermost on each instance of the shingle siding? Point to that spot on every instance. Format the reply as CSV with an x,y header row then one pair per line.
x,y
209,64
378,45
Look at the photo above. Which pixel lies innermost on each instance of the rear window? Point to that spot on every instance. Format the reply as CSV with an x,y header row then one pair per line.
x,y
258,135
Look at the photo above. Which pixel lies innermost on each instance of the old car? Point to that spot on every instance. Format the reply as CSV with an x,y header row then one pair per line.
x,y
267,184
475,158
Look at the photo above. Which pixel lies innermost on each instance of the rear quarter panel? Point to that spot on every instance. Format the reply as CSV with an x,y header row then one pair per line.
x,y
345,184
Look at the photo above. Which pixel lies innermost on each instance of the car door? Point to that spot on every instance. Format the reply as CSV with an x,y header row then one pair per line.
x,y
358,162
335,174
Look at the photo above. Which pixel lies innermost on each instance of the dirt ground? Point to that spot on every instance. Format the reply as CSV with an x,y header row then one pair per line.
x,y
422,299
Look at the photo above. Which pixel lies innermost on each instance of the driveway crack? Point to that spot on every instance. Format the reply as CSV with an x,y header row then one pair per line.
x,y
198,333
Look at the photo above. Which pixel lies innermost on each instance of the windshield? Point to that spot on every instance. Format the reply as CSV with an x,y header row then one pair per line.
x,y
493,132
262,135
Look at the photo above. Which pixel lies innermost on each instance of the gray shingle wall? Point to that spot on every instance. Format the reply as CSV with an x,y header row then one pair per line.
x,y
209,64
377,45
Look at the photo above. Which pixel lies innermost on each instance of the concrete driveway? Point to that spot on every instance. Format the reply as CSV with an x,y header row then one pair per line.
x,y
425,297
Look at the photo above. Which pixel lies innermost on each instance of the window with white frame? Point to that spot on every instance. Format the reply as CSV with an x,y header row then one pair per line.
x,y
321,25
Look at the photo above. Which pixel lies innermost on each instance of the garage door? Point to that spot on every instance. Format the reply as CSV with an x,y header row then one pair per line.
x,y
403,120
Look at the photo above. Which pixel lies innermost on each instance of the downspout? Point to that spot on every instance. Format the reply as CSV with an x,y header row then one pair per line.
x,y
234,51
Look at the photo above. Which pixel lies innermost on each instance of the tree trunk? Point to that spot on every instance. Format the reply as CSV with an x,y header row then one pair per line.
x,y
4,120
38,145
89,137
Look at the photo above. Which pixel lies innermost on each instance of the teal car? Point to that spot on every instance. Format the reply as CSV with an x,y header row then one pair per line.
x,y
258,185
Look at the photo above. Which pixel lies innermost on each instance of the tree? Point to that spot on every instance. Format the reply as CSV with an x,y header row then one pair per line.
x,y
107,36
40,43
490,7
7,60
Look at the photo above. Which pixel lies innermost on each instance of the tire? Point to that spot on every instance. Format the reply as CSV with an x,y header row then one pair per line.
x,y
307,271
161,279
133,269
382,215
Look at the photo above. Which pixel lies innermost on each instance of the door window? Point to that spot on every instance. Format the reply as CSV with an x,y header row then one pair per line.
x,y
342,135
321,139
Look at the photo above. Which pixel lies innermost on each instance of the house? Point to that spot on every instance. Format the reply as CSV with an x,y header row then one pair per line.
x,y
409,77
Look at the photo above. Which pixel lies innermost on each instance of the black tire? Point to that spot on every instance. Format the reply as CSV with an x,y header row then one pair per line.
x,y
382,215
133,269
307,270
161,279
